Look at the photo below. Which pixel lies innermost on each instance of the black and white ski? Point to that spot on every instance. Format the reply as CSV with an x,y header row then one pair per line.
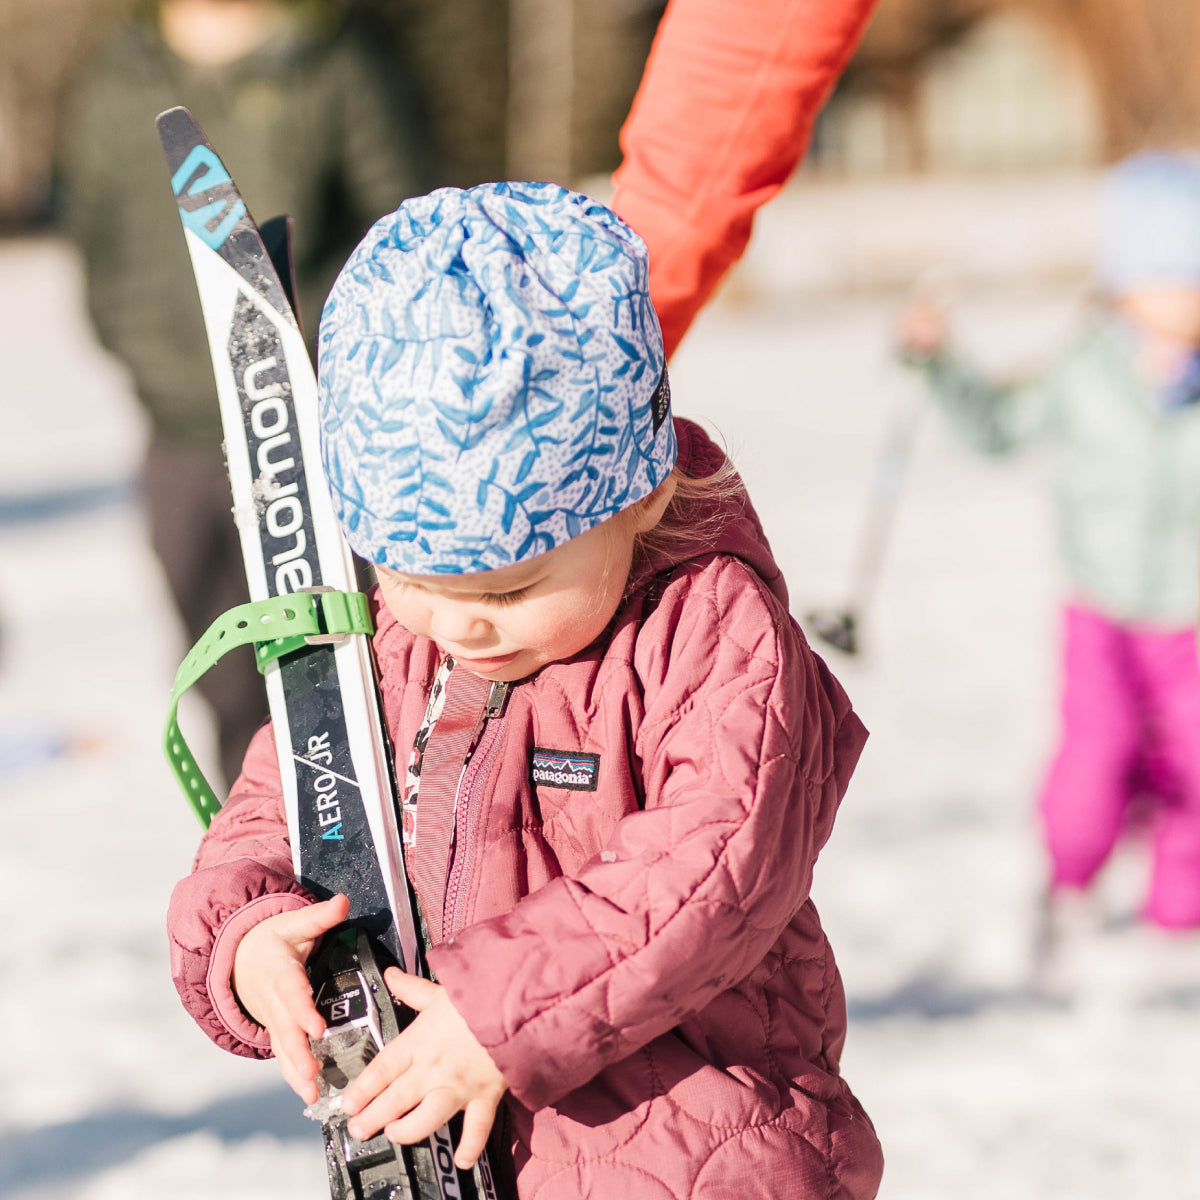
x,y
333,754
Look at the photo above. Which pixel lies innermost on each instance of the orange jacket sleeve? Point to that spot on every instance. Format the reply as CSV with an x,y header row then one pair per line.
x,y
722,117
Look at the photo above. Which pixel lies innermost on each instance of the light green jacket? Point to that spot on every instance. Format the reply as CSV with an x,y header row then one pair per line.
x,y
1125,472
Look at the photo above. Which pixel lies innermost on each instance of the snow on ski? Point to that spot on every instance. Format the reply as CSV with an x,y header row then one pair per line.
x,y
329,735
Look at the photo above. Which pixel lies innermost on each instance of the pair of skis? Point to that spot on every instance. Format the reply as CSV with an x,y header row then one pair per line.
x,y
333,753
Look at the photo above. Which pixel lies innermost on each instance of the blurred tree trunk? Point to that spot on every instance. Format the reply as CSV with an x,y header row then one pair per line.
x,y
611,43
41,42
1143,56
532,89
541,78
455,53
574,67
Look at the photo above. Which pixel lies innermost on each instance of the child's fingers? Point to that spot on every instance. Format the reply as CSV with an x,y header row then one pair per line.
x,y
410,989
429,1116
399,1097
295,1000
378,1075
299,1075
310,922
477,1124
299,1068
387,1067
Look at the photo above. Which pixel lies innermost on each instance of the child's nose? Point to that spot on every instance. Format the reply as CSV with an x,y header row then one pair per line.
x,y
459,625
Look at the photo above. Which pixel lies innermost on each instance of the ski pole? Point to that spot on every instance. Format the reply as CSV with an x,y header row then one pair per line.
x,y
840,627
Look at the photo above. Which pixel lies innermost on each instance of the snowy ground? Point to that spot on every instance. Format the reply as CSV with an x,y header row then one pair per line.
x,y
979,1087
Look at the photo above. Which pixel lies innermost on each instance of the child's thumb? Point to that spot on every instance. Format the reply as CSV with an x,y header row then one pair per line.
x,y
410,989
315,919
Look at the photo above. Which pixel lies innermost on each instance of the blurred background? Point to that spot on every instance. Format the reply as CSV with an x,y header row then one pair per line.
x,y
966,139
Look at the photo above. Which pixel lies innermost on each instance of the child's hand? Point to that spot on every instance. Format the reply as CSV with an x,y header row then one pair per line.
x,y
922,327
434,1069
271,985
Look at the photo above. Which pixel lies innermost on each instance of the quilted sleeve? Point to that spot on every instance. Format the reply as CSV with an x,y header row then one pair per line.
x,y
242,875
747,744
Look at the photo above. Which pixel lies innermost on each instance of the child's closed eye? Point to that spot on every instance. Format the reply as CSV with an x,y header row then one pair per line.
x,y
503,599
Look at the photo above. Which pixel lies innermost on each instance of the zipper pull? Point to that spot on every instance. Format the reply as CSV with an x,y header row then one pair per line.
x,y
497,700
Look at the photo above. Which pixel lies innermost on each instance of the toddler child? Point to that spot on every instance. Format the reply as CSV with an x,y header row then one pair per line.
x,y
1119,411
622,757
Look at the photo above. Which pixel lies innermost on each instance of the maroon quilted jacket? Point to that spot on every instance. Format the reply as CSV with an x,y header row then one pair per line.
x,y
642,960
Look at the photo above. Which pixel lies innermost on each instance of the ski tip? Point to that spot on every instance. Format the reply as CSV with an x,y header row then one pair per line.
x,y
171,117
208,200
212,209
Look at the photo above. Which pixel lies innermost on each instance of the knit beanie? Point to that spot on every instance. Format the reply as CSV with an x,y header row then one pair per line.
x,y
1151,221
491,379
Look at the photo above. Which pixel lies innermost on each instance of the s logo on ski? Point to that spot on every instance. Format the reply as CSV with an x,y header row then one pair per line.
x,y
206,173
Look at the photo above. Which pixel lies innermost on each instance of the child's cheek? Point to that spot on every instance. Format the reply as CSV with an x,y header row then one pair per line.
x,y
391,603
563,631
408,613
416,619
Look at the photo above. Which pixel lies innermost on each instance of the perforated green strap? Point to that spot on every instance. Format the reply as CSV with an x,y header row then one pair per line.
x,y
276,627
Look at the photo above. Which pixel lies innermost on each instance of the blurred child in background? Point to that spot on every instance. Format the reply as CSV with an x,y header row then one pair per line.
x,y
303,119
1119,411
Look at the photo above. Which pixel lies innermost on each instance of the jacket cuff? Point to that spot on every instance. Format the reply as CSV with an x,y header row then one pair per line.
x,y
220,968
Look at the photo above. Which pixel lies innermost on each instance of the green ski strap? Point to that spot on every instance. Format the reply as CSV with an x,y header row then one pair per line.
x,y
276,627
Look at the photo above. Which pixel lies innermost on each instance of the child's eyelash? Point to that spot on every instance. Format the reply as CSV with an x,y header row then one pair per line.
x,y
497,599
501,599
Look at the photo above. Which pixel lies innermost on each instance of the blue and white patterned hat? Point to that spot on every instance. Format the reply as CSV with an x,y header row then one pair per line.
x,y
1151,221
492,379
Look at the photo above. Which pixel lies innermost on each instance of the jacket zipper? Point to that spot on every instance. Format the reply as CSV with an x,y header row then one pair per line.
x,y
463,849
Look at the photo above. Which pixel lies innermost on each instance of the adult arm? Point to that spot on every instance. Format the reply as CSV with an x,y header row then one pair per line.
x,y
723,115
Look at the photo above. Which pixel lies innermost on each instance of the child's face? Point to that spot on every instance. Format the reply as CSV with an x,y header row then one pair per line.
x,y
506,624
1169,311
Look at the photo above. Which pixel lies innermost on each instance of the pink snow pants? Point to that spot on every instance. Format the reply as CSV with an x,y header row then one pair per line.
x,y
1131,701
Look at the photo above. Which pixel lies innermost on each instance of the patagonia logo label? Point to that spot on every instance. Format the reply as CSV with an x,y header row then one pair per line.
x,y
566,769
